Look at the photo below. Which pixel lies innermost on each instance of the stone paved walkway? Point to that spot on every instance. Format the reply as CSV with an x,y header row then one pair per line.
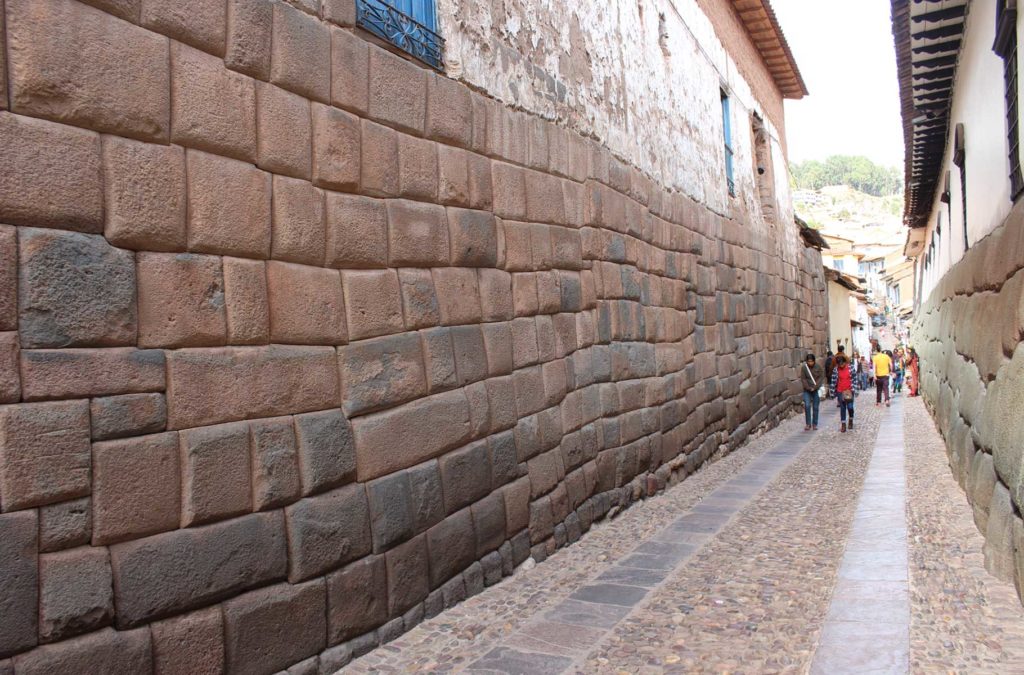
x,y
790,554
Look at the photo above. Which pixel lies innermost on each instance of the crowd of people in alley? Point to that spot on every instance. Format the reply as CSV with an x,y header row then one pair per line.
x,y
841,377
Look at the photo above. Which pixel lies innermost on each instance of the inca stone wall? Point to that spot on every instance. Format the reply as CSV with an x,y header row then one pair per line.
x,y
302,342
969,334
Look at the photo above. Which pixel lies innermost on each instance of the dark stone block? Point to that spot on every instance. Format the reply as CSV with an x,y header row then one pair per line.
x,y
326,531
19,591
508,564
357,599
425,495
453,591
610,594
539,552
573,532
473,577
413,617
504,461
508,660
492,568
452,546
390,510
408,571
632,576
520,548
434,604
391,630
588,614
542,524
489,523
327,456
465,475
560,536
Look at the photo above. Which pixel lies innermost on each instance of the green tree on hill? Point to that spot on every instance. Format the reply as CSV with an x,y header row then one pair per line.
x,y
860,173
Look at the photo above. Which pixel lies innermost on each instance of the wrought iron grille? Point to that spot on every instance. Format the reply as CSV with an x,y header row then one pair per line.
x,y
411,36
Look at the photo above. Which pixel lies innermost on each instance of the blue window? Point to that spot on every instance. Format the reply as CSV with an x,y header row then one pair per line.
x,y
410,25
727,131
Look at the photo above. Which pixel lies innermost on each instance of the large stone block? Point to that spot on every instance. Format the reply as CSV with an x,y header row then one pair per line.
x,y
357,599
489,523
245,297
228,207
307,305
202,23
458,295
473,236
74,290
404,436
44,453
8,277
357,232
417,168
176,571
449,111
298,230
373,302
19,568
327,531
190,644
336,149
74,373
452,546
207,386
391,513
181,300
75,592
398,91
212,108
136,487
275,471
69,62
105,651
65,525
271,628
350,66
10,378
379,160
144,185
284,132
215,469
408,575
326,450
301,53
381,373
999,535
249,27
417,234
425,494
419,300
50,176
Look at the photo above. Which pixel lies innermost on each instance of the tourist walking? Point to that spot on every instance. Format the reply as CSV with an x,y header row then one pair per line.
x,y
883,366
841,387
828,367
812,377
914,368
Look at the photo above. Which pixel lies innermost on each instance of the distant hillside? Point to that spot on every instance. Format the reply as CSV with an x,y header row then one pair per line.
x,y
860,173
843,211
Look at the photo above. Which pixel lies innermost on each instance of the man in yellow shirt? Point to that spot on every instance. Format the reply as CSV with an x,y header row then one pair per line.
x,y
883,366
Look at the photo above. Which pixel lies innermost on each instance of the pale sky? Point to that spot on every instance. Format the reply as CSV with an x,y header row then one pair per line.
x,y
844,50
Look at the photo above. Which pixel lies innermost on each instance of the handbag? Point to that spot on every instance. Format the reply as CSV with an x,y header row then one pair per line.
x,y
848,395
821,389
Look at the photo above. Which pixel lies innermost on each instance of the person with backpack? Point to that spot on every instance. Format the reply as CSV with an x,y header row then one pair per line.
x,y
812,376
841,387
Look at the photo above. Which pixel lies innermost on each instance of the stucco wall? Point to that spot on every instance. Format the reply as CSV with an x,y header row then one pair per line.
x,y
968,334
301,342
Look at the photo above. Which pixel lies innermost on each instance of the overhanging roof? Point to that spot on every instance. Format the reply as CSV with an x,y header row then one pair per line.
x,y
810,235
763,27
927,35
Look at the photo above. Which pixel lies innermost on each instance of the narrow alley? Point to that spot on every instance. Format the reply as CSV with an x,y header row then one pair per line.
x,y
800,551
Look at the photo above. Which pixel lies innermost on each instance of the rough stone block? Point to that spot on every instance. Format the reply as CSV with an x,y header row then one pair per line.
x,y
453,176
999,535
207,386
470,354
489,523
215,473
326,452
336,148
402,437
128,415
65,525
480,183
229,207
50,176
374,303
419,301
449,111
144,185
176,571
381,373
245,297
357,599
70,373
465,475
212,108
301,53
438,359
284,132
508,184
75,593
504,460
249,27
136,487
327,531
473,236
298,233
19,568
275,468
191,644
408,575
417,234
8,278
350,65
391,517
10,378
44,453
517,504
398,91
105,651
458,295
202,24
425,495
545,202
181,300
417,168
74,290
307,305
69,62
357,232
496,300
452,544
269,629
501,394
379,160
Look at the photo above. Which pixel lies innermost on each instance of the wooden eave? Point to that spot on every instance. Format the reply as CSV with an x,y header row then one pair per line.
x,y
764,30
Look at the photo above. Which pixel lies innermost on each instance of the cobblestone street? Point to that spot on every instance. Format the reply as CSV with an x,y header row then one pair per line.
x,y
800,552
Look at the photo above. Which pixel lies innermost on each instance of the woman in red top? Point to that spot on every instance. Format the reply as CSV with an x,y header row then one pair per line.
x,y
842,389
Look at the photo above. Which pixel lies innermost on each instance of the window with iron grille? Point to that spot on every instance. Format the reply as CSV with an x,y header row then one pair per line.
x,y
1006,47
410,25
727,132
